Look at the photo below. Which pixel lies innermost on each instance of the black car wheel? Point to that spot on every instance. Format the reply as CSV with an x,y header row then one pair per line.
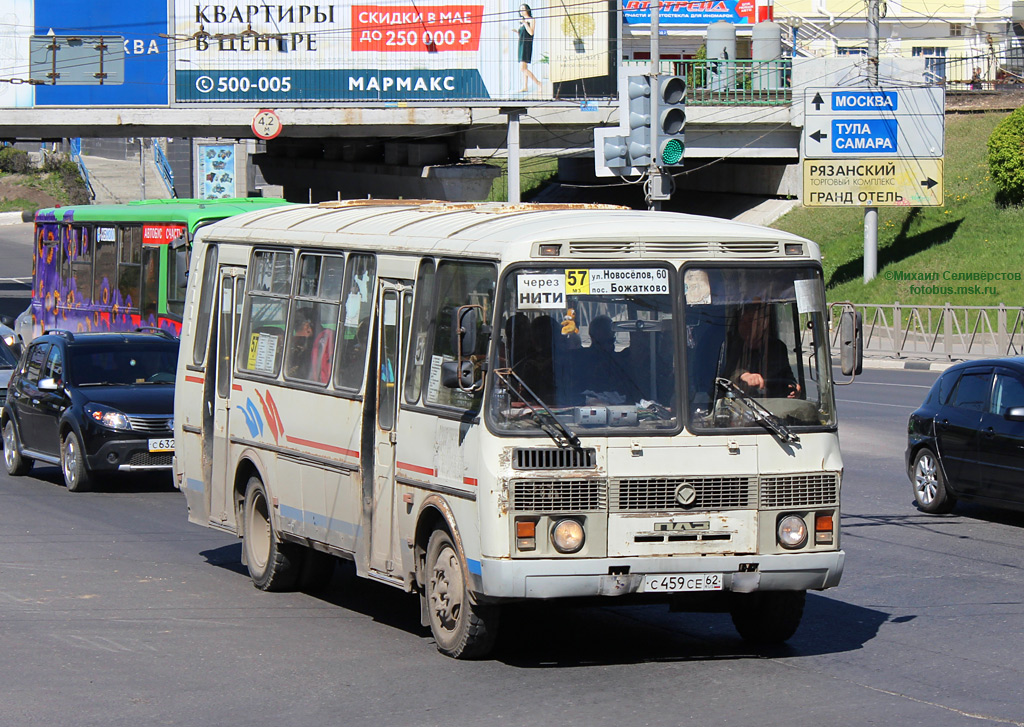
x,y
16,463
72,464
930,485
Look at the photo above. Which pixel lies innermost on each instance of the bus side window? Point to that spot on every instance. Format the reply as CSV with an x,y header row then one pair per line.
x,y
207,294
105,266
129,267
357,303
268,287
459,284
314,318
423,321
81,264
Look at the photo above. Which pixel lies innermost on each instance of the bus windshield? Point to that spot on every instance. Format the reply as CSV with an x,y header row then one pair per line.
x,y
756,333
595,346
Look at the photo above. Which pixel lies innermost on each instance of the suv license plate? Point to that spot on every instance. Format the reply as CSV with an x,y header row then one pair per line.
x,y
161,445
684,582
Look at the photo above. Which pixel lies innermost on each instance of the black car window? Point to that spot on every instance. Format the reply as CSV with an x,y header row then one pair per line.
x,y
944,386
1007,392
35,361
972,392
54,366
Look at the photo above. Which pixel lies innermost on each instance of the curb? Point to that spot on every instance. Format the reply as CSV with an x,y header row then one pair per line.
x,y
15,218
907,365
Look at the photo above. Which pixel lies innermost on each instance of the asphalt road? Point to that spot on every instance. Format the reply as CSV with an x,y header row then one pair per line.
x,y
115,611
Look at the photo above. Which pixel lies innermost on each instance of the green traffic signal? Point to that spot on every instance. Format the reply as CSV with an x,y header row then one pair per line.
x,y
672,152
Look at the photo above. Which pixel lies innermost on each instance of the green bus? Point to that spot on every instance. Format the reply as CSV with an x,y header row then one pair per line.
x,y
118,267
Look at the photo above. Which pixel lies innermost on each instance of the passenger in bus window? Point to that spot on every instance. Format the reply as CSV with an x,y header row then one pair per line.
x,y
756,360
300,346
602,370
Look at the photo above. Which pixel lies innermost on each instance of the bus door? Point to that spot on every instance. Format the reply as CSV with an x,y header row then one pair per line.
x,y
394,305
223,340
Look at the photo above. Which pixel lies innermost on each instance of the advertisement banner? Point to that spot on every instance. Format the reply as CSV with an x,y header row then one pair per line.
x,y
401,51
216,171
690,12
143,27
15,31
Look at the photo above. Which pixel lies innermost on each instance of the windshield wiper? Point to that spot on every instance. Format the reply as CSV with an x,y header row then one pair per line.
x,y
761,415
563,437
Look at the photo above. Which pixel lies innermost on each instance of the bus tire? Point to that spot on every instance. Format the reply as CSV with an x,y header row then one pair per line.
x,y
72,463
16,463
930,489
462,629
273,565
767,618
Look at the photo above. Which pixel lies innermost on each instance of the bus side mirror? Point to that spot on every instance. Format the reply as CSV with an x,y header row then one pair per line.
x,y
464,325
179,249
457,375
851,342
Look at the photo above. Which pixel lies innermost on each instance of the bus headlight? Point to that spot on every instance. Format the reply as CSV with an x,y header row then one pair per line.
x,y
567,536
792,532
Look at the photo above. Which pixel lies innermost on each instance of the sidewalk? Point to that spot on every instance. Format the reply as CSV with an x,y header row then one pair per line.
x,y
15,218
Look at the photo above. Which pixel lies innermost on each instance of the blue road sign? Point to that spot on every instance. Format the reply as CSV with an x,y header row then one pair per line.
x,y
861,101
865,136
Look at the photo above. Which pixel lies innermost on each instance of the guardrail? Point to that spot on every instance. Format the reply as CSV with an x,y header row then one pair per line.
x,y
164,167
76,157
713,82
951,332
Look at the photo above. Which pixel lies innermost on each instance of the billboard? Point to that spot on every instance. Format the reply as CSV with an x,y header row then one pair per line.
x,y
15,32
693,12
142,26
389,51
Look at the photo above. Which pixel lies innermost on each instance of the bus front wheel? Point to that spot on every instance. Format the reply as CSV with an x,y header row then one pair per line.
x,y
273,565
462,629
767,617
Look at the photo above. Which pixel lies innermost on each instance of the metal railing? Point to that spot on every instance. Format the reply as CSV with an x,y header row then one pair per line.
x,y
164,167
76,157
950,332
729,83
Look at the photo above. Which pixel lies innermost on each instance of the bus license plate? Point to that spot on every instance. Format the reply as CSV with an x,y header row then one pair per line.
x,y
161,445
686,582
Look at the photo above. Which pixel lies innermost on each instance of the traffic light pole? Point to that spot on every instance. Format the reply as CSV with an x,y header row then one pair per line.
x,y
871,213
654,180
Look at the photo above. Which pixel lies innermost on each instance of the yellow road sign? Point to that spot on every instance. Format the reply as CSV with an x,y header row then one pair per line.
x,y
873,182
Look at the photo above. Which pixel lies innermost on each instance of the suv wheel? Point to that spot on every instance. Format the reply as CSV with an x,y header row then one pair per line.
x,y
72,463
16,463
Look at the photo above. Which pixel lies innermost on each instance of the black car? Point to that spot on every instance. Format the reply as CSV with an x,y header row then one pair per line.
x,y
966,441
92,402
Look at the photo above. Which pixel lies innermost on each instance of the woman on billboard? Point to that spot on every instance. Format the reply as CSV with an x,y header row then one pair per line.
x,y
527,27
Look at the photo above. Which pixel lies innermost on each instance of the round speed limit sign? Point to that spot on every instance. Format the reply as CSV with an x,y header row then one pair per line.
x,y
266,124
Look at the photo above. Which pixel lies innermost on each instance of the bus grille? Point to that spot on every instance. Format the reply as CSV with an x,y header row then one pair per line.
x,y
809,490
750,248
659,493
553,459
159,423
558,495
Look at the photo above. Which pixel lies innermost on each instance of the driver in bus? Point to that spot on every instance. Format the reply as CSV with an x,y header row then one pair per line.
x,y
756,359
301,345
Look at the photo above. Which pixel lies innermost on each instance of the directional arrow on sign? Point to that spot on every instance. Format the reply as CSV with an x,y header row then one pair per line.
x,y
928,183
818,136
817,101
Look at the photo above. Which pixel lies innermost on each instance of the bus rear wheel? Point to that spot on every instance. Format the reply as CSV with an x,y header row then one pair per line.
x,y
462,629
273,565
767,618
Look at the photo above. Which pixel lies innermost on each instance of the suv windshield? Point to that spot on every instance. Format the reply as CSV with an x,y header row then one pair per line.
x,y
7,358
121,363
763,330
596,346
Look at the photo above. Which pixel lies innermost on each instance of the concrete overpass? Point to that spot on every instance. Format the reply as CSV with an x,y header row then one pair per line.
x,y
423,149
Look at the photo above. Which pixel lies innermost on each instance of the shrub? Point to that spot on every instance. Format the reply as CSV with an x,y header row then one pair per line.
x,y
1006,158
14,161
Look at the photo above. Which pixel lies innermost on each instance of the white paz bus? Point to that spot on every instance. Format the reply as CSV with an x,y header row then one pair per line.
x,y
483,403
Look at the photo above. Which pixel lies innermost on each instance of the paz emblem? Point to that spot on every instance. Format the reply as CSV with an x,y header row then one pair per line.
x,y
686,495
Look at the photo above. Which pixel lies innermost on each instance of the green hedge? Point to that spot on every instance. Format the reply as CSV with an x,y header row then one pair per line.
x,y
1006,158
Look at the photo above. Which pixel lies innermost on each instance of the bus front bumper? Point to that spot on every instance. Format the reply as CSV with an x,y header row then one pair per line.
x,y
551,578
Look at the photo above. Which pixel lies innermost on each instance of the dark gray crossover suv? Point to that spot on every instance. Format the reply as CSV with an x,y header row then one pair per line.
x,y
92,402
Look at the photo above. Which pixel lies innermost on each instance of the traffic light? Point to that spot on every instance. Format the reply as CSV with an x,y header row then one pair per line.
x,y
671,126
610,152
638,120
